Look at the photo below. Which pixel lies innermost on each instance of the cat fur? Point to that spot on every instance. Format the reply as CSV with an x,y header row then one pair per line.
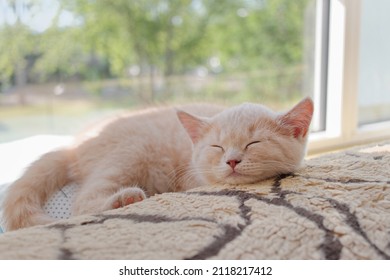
x,y
127,158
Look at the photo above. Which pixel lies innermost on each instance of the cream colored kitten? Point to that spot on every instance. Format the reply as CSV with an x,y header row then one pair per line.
x,y
128,158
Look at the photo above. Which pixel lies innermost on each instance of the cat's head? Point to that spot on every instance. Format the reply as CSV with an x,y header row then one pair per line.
x,y
248,143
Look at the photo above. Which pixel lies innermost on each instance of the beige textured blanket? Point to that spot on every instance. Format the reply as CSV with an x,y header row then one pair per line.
x,y
336,207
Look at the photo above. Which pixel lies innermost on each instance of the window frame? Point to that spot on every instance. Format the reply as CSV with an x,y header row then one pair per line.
x,y
341,109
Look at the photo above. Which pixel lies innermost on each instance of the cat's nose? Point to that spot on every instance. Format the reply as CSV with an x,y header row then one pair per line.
x,y
233,163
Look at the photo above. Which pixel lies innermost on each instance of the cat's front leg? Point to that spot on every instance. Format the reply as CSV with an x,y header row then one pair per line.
x,y
96,196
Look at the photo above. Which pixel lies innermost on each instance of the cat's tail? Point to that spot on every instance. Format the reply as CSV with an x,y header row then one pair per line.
x,y
25,198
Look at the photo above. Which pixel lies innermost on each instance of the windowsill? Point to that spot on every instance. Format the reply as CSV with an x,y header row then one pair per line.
x,y
321,142
17,155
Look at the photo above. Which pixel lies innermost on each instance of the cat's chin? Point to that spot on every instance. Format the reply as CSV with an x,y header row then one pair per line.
x,y
236,178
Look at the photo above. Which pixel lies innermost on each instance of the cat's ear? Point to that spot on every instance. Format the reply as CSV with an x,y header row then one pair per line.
x,y
298,119
193,125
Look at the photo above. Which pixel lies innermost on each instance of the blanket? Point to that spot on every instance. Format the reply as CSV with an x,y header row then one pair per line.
x,y
337,206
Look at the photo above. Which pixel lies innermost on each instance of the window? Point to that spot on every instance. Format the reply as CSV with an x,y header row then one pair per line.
x,y
66,63
374,60
93,58
316,60
355,113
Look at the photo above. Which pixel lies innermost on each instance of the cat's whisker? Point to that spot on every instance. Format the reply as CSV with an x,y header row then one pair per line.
x,y
183,175
176,175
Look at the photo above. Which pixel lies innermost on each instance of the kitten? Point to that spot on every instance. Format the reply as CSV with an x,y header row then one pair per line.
x,y
128,158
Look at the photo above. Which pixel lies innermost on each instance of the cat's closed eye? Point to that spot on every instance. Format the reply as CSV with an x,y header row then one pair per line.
x,y
218,147
252,143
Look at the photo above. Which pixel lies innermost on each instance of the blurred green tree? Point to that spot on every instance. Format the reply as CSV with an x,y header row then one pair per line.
x,y
16,44
34,54
168,37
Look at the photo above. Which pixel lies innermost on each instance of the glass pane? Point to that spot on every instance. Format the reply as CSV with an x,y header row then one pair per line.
x,y
66,63
374,75
316,59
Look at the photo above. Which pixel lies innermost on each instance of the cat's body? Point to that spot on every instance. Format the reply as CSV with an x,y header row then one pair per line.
x,y
162,150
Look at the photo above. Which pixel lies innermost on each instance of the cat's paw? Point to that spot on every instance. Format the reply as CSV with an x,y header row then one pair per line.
x,y
125,197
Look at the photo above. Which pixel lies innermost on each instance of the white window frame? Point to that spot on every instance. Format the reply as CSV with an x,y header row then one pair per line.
x,y
342,128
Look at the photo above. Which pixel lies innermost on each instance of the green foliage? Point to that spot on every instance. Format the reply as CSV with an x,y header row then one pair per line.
x,y
16,42
170,37
58,54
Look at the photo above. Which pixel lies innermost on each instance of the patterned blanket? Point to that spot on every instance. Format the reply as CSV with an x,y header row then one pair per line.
x,y
336,207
